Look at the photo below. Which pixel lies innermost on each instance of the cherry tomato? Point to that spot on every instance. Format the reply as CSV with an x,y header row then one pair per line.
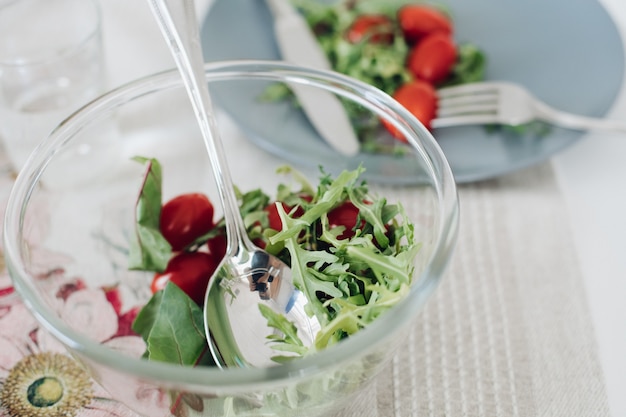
x,y
272,212
273,217
432,59
419,98
185,218
376,28
260,242
418,21
191,271
217,245
344,215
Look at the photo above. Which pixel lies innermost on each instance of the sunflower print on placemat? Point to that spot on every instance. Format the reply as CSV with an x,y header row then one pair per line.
x,y
38,377
46,384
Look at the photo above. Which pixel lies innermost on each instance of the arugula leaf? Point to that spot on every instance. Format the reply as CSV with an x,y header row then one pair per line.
x,y
353,317
285,192
330,198
372,213
172,325
307,280
289,341
149,251
348,282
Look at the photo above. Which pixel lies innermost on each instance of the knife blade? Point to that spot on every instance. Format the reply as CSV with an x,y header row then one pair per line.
x,y
297,45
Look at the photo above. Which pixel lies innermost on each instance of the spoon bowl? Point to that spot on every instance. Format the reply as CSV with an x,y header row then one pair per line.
x,y
235,328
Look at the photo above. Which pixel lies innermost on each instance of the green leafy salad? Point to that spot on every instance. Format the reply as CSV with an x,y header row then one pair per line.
x,y
405,48
350,252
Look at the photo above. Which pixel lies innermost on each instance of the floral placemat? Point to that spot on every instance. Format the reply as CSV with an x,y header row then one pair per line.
x,y
37,376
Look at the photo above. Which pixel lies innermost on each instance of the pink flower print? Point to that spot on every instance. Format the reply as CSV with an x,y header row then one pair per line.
x,y
90,312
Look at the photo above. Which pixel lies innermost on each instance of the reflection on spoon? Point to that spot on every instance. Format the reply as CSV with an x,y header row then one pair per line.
x,y
247,276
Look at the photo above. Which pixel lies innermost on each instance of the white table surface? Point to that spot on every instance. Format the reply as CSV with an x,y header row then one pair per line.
x,y
592,175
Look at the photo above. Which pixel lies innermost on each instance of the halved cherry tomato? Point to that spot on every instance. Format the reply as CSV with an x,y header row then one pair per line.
x,y
217,245
418,21
432,59
272,212
345,215
191,271
185,218
273,217
375,28
419,98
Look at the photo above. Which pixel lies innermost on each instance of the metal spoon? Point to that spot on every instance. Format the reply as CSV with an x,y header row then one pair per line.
x,y
247,276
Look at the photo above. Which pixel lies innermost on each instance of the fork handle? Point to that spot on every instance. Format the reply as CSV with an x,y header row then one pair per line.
x,y
577,122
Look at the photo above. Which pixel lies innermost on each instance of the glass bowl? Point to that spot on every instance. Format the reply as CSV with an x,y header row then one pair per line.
x,y
71,214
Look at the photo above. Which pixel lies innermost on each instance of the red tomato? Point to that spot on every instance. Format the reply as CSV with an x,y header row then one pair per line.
x,y
418,21
419,98
273,217
432,59
376,28
185,218
344,215
260,242
191,271
217,245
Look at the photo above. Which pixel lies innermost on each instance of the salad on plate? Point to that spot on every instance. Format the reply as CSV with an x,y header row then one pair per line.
x,y
406,49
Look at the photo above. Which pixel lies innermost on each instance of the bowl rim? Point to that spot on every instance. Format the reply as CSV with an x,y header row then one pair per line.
x,y
203,378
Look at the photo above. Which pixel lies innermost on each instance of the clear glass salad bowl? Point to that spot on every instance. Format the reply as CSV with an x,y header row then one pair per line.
x,y
70,218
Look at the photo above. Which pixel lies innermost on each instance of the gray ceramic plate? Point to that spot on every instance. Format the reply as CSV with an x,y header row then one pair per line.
x,y
567,52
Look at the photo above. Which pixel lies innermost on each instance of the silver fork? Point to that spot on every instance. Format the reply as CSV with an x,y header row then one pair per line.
x,y
508,104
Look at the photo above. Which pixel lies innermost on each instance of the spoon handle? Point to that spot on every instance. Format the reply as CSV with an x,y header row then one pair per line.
x,y
177,21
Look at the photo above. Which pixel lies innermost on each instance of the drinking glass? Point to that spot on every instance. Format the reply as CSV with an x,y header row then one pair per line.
x,y
51,63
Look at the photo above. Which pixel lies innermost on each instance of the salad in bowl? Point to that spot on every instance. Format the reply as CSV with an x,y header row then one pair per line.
x,y
368,254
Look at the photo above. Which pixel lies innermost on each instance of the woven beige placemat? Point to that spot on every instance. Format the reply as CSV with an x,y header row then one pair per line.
x,y
508,333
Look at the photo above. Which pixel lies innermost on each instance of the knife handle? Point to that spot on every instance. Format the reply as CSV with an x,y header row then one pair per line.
x,y
296,41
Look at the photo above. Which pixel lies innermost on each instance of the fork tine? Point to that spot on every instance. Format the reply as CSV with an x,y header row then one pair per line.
x,y
464,120
473,108
464,100
472,88
481,103
468,104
